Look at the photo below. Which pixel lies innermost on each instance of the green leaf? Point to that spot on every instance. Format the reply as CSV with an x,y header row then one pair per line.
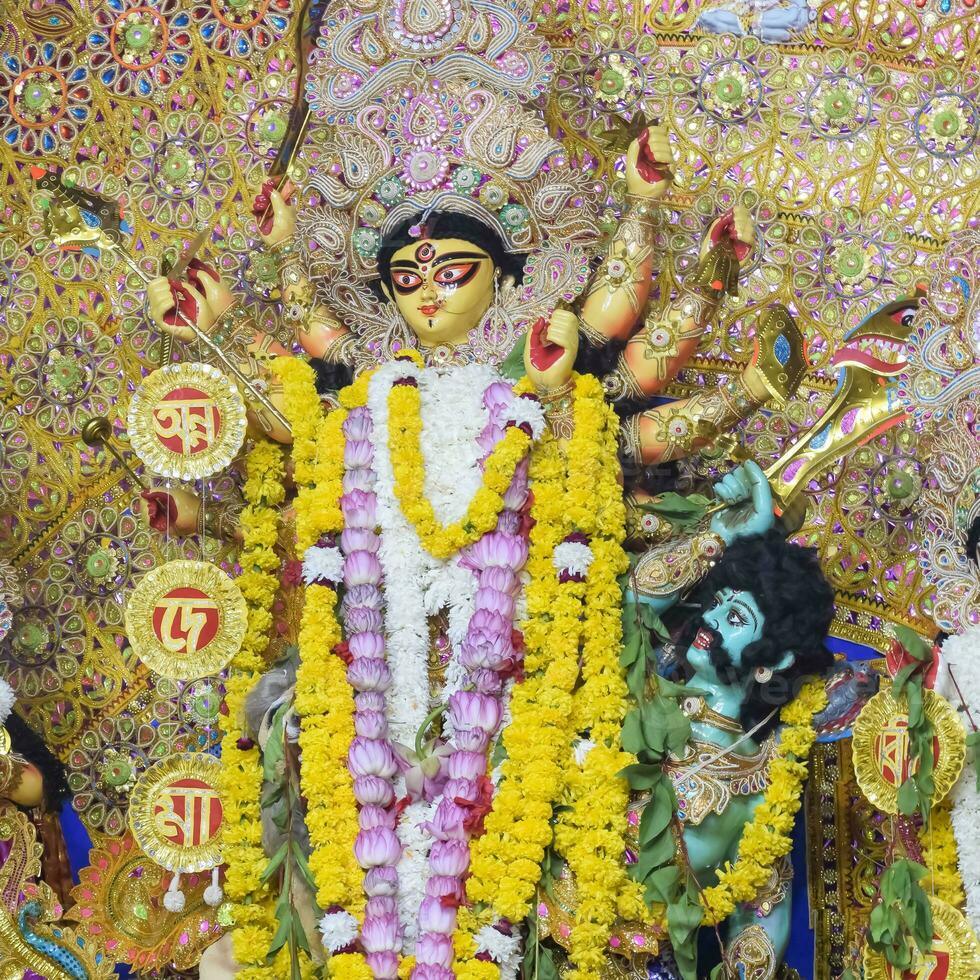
x,y
631,737
902,678
908,797
274,752
512,367
641,775
973,743
682,512
282,933
302,864
913,644
273,866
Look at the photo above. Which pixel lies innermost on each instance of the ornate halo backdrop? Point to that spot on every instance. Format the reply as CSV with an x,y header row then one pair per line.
x,y
849,130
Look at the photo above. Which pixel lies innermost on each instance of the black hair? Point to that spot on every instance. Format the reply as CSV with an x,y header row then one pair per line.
x,y
449,224
330,376
973,541
797,604
27,743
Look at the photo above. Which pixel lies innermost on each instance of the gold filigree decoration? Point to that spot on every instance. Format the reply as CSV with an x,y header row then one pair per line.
x,y
881,747
175,813
186,421
955,953
186,619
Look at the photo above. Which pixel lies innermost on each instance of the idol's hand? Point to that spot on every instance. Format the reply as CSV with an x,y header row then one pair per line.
x,y
550,349
648,164
206,280
167,298
735,225
276,216
749,497
170,511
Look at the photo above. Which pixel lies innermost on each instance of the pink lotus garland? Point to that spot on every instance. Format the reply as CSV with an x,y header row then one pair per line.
x,y
489,655
371,759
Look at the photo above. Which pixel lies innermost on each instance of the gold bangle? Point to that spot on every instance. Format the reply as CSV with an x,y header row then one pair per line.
x,y
559,408
642,208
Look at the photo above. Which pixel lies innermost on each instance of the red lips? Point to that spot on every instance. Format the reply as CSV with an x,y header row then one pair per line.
x,y
702,640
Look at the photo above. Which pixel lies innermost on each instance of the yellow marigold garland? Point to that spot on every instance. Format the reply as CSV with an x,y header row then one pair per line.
x,y
408,465
768,836
941,857
241,768
590,834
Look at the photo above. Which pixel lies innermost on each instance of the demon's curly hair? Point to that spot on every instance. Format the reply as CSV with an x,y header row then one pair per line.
x,y
798,605
26,742
449,224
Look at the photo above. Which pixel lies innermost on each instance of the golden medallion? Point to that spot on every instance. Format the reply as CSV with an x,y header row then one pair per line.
x,y
186,619
880,747
4,741
955,953
186,421
175,813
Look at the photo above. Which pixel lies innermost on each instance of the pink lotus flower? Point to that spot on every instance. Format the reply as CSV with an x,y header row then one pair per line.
x,y
435,949
375,816
466,765
368,596
429,971
371,757
360,619
488,681
435,917
357,425
357,453
366,645
469,710
359,539
380,935
381,881
449,857
487,643
377,847
361,479
506,550
369,701
425,774
369,675
511,522
489,438
498,396
359,509
516,494
459,790
447,821
373,791
497,577
447,889
370,724
381,907
383,966
361,568
494,601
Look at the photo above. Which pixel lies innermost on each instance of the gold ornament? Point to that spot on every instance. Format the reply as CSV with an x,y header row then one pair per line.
x,y
186,421
175,813
186,619
4,741
955,953
881,747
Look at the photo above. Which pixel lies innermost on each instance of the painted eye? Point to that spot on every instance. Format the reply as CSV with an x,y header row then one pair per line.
x,y
454,275
405,282
734,619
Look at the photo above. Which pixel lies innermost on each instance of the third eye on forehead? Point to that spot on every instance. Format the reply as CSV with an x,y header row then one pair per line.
x,y
439,259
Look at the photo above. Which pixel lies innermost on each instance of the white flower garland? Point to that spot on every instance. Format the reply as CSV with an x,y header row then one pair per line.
x,y
323,564
961,654
7,699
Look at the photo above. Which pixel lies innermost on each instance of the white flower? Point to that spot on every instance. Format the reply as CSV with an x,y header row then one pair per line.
x,y
339,929
959,681
581,749
7,699
572,557
323,563
505,951
528,410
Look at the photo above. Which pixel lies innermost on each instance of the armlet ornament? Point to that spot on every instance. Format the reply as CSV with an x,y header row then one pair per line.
x,y
677,564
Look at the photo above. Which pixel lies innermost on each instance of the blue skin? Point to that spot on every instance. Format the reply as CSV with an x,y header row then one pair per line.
x,y
773,25
736,616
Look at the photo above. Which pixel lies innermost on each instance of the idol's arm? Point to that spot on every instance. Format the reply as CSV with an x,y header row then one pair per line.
x,y
317,329
621,286
671,568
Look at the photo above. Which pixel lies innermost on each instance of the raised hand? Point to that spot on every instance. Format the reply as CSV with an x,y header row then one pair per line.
x,y
276,216
749,497
550,349
737,226
166,298
649,160
171,510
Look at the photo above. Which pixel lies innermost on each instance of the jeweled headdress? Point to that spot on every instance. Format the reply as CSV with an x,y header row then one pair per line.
x,y
422,104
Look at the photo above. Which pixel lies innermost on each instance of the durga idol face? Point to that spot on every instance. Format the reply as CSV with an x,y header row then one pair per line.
x,y
442,288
